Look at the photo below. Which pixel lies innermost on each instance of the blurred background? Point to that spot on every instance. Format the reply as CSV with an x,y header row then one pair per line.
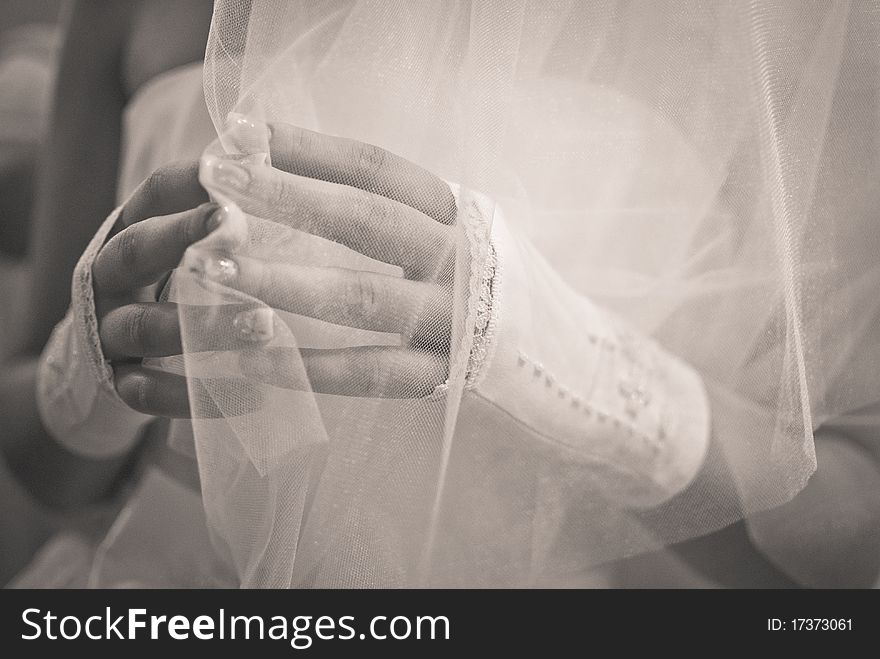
x,y
30,39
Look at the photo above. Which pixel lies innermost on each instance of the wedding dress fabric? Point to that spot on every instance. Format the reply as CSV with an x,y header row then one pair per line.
x,y
660,265
679,165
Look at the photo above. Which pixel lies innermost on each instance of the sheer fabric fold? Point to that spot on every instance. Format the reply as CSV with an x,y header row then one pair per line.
x,y
705,174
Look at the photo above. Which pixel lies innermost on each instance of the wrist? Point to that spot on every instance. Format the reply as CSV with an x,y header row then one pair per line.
x,y
76,395
581,382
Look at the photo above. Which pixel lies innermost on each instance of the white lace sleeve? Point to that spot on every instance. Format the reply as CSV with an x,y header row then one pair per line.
x,y
76,396
580,381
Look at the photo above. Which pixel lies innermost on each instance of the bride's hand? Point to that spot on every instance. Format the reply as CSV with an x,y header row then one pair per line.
x,y
375,203
166,214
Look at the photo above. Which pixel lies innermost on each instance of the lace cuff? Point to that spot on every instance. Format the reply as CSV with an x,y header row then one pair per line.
x,y
76,396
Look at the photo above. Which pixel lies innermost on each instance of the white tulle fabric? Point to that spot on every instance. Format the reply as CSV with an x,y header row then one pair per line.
x,y
664,240
691,168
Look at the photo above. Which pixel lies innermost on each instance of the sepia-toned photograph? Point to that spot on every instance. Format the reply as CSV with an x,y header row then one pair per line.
x,y
459,294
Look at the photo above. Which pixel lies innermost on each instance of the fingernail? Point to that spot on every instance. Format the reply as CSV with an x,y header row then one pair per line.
x,y
215,219
245,135
221,268
255,324
217,268
228,174
228,230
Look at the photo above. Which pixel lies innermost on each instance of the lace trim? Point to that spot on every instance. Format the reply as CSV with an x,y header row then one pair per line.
x,y
77,401
483,298
78,330
485,319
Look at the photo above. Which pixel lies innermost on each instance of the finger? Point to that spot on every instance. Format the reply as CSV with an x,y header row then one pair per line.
x,y
375,226
172,188
373,372
167,394
151,391
142,253
153,329
360,165
353,298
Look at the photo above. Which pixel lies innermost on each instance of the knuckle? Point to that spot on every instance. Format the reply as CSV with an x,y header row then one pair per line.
x,y
360,298
127,249
278,193
136,328
371,162
292,148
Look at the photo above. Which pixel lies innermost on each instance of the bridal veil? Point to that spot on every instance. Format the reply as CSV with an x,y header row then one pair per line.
x,y
705,172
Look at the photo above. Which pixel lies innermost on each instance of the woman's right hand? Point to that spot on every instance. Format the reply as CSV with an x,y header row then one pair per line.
x,y
167,213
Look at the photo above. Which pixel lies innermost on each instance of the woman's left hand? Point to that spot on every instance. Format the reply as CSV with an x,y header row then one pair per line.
x,y
377,204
